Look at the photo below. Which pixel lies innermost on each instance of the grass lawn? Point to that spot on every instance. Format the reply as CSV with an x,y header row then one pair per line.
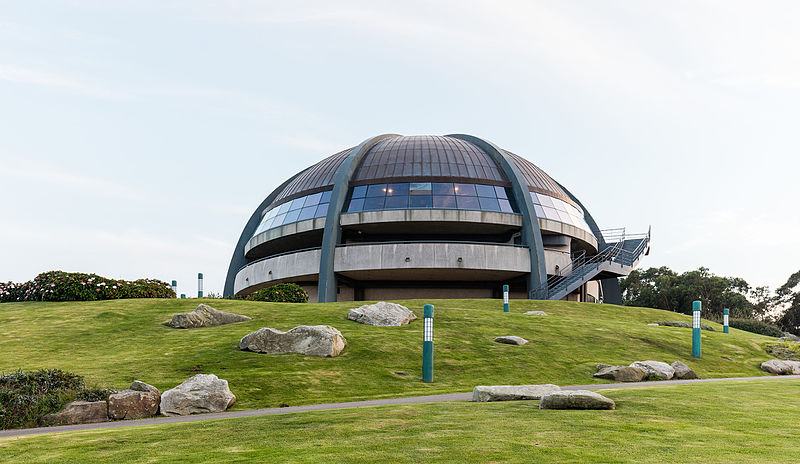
x,y
115,342
728,422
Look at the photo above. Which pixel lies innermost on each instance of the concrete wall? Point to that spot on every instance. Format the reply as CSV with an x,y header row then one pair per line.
x,y
282,231
422,293
294,266
431,215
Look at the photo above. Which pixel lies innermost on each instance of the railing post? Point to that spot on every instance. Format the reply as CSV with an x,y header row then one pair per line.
x,y
427,343
725,320
696,329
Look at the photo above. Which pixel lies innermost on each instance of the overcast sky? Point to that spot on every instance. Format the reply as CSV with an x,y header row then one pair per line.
x,y
136,138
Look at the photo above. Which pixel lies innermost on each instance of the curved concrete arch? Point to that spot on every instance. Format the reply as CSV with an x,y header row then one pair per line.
x,y
238,259
333,230
531,234
612,294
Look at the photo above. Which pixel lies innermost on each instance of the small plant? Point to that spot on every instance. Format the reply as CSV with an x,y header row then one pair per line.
x,y
26,397
280,293
785,350
754,326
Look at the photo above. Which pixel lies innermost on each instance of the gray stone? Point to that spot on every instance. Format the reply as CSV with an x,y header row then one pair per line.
x,y
382,314
621,373
603,366
511,340
781,367
79,412
654,324
536,313
575,399
204,316
682,371
789,337
484,393
311,340
658,369
199,394
140,400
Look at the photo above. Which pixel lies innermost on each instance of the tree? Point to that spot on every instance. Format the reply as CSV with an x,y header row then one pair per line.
x,y
790,300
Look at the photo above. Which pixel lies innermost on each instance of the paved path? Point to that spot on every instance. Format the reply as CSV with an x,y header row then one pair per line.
x,y
352,404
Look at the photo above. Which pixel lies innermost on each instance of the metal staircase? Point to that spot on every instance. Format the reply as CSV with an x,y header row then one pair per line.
x,y
617,258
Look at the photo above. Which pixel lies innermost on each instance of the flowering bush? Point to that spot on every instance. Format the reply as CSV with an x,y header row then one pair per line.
x,y
74,286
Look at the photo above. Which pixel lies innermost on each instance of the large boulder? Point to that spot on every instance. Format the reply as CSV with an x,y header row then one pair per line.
x,y
682,371
311,340
79,412
575,399
657,369
511,340
204,316
382,314
781,367
140,400
621,373
199,394
484,393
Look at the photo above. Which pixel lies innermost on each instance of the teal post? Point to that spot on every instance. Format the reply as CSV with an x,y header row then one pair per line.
x,y
427,343
725,320
505,298
183,295
200,285
696,329
175,287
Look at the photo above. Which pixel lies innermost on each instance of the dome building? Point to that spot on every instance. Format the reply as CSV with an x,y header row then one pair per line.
x,y
430,217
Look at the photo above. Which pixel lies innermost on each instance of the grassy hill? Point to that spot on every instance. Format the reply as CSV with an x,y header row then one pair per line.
x,y
114,342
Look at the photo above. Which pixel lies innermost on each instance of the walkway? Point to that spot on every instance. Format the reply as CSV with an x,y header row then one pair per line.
x,y
353,404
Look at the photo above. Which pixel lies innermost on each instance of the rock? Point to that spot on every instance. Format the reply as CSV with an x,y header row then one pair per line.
x,y
536,313
311,340
603,366
575,399
658,369
781,367
204,316
199,394
682,371
655,324
622,373
79,412
382,314
140,400
511,340
512,392
789,337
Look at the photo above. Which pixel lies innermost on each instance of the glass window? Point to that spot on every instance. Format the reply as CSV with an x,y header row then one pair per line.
x,y
421,201
465,189
397,189
326,196
377,190
284,207
373,203
489,204
500,192
322,210
291,216
443,188
539,211
297,203
444,201
544,200
360,191
278,220
356,204
307,213
551,213
505,206
312,200
485,191
565,217
419,188
535,198
396,202
468,203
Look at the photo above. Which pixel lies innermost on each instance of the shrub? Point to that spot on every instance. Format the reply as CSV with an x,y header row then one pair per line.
x,y
281,293
754,326
684,324
785,350
75,286
26,397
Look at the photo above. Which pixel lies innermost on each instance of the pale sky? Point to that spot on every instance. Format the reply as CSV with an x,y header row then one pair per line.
x,y
136,138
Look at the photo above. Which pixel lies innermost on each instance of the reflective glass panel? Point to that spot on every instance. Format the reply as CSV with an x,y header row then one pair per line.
x,y
444,201
486,191
397,189
396,202
322,211
360,191
443,188
291,216
500,192
372,203
535,199
307,213
489,204
378,190
465,189
545,200
551,213
326,196
284,207
505,206
421,201
356,204
420,188
312,200
468,203
539,211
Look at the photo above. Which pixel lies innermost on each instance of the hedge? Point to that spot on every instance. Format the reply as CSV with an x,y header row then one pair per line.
x,y
74,286
280,293
754,326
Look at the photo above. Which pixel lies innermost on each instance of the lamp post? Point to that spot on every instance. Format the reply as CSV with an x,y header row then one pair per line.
x,y
725,320
175,288
505,298
696,329
200,285
427,343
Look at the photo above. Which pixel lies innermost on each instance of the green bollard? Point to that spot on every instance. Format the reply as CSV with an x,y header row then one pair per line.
x,y
725,320
200,285
427,343
696,329
183,295
505,298
175,287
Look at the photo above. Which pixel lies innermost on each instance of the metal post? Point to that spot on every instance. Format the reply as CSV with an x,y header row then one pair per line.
x,y
696,329
175,287
427,343
505,298
183,295
725,320
200,285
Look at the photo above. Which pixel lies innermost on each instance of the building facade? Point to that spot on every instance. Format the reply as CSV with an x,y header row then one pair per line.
x,y
430,217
